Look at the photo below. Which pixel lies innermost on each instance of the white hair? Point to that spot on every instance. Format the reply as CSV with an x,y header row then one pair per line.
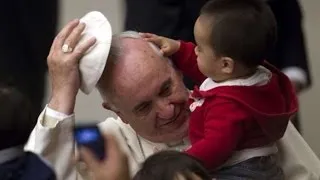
x,y
133,35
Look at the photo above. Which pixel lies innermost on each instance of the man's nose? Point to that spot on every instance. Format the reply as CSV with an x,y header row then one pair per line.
x,y
165,109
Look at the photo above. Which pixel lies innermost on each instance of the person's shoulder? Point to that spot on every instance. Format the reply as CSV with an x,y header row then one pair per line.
x,y
116,127
126,138
112,123
36,166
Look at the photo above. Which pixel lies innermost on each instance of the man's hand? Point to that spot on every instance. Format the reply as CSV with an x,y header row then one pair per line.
x,y
113,167
64,66
167,46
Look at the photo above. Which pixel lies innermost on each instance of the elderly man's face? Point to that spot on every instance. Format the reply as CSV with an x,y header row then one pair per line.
x,y
150,94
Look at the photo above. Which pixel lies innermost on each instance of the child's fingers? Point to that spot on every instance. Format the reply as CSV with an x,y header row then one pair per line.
x,y
155,40
166,50
162,53
147,35
152,38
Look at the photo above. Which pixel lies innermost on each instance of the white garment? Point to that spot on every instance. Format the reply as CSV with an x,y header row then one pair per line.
x,y
93,62
56,144
53,139
261,77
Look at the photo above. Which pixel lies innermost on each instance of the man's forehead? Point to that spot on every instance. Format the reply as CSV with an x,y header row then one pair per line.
x,y
134,44
138,56
139,72
139,67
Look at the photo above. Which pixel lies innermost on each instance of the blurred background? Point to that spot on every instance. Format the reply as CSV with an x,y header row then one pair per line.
x,y
88,108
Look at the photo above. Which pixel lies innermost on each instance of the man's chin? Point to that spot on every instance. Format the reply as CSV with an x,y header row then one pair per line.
x,y
182,131
177,132
178,135
170,137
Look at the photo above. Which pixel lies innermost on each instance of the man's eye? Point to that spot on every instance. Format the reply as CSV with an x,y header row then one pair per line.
x,y
165,92
145,108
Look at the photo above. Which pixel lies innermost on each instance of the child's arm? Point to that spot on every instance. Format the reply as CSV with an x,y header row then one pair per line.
x,y
186,60
223,131
183,55
167,46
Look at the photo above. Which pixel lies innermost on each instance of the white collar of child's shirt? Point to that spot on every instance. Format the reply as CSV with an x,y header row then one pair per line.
x,y
261,77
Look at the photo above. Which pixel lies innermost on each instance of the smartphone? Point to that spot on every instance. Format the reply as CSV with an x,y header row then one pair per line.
x,y
90,137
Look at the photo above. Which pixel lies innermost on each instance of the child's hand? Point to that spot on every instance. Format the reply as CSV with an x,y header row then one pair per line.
x,y
167,46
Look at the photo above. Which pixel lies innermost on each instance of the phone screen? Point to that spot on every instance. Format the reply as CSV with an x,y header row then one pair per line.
x,y
90,137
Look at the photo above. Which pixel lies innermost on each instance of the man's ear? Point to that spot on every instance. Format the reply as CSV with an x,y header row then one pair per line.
x,y
227,65
109,107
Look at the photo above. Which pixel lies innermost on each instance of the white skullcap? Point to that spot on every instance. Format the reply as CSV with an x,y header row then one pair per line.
x,y
93,62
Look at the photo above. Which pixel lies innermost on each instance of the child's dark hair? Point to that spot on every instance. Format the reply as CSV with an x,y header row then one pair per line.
x,y
244,30
16,121
166,165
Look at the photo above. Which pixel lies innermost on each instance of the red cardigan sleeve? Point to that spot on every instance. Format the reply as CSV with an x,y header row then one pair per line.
x,y
186,61
223,130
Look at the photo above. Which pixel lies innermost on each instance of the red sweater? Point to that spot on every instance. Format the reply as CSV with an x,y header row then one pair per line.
x,y
233,118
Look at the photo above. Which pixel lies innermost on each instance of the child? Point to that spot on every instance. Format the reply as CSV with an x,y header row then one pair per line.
x,y
171,165
16,124
243,106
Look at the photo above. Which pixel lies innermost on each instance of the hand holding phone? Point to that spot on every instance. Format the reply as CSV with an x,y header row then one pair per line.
x,y
114,167
90,137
